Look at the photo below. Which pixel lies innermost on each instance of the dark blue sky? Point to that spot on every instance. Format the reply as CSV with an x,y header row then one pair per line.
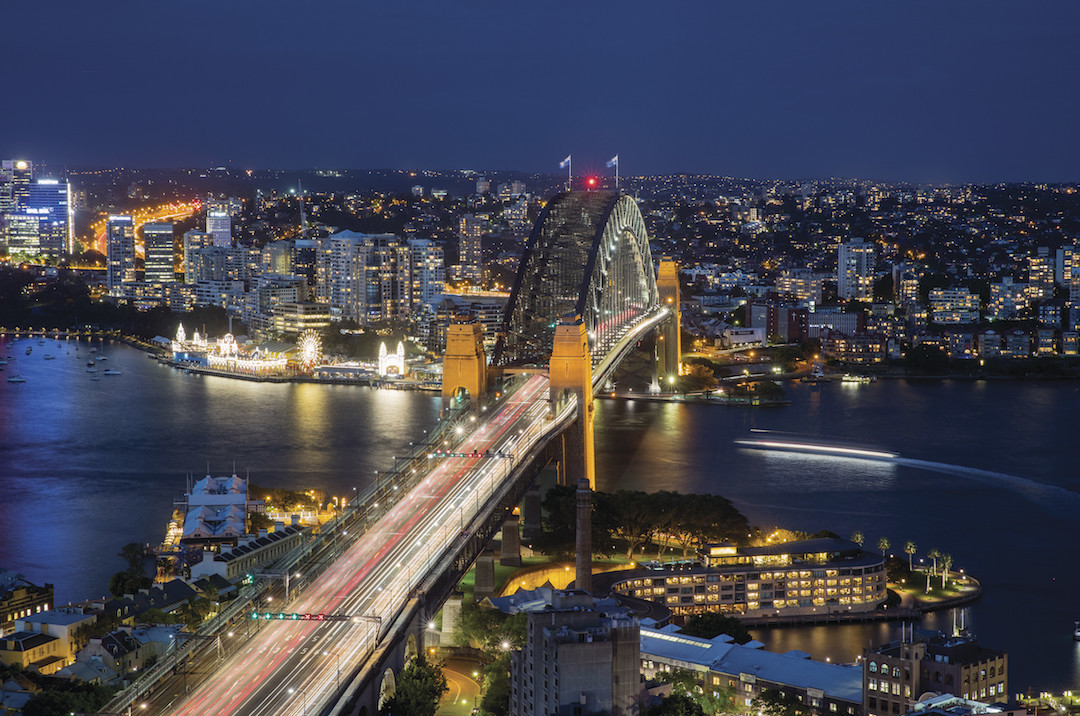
x,y
922,90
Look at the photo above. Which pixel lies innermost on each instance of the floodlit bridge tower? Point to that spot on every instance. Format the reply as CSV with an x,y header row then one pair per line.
x,y
669,340
570,373
465,370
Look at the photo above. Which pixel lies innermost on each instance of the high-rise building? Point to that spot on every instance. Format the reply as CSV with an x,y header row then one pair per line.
x,y
193,242
21,174
160,253
371,277
219,225
855,271
50,199
471,259
581,655
483,185
119,253
1041,274
428,271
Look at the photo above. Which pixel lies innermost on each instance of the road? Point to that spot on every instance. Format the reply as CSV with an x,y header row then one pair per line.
x,y
295,667
464,688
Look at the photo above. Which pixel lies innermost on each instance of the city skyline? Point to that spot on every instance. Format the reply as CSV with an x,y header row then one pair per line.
x,y
963,93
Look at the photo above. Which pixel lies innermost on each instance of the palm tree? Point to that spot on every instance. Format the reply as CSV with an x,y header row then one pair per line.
x,y
946,562
858,538
883,545
909,547
934,555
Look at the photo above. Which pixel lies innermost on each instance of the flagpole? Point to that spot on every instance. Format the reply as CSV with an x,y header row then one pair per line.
x,y
570,172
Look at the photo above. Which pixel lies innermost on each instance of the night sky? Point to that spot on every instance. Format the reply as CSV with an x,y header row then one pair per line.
x,y
918,90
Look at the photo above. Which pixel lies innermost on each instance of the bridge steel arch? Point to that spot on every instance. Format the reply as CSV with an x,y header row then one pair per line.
x,y
588,255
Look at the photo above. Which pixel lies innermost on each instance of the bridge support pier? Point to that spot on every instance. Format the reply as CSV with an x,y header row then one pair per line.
x,y
484,584
669,342
530,511
570,372
511,543
464,364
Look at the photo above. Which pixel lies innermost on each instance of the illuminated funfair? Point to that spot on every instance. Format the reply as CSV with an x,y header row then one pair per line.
x,y
392,363
310,347
227,356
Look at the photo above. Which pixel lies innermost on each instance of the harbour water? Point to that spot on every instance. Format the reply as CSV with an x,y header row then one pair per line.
x,y
986,472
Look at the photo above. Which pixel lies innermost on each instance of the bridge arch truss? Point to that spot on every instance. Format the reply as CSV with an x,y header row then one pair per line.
x,y
587,255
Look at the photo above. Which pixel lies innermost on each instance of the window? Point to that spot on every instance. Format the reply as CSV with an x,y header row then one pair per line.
x,y
873,667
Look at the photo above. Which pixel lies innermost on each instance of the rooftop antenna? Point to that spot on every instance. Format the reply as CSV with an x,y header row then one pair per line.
x,y
234,461
208,468
303,214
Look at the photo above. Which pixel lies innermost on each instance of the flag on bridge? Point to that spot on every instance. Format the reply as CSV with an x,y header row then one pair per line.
x,y
565,162
613,162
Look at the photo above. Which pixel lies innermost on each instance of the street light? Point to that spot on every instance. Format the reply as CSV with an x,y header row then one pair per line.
x,y
303,699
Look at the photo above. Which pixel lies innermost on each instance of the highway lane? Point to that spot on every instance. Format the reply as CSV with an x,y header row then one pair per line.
x,y
294,667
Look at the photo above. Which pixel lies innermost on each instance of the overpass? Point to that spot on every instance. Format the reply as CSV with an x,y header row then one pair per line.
x,y
365,589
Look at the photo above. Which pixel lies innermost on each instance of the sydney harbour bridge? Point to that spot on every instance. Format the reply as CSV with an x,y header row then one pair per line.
x,y
327,628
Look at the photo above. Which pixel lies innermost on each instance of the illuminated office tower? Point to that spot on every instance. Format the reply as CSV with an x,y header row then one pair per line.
x,y
855,271
219,225
193,242
119,253
50,201
160,255
16,176
471,231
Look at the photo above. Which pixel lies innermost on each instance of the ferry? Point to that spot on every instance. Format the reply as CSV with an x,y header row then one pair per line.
x,y
852,378
16,379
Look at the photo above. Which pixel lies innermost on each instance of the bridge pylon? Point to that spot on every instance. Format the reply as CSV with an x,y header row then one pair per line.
x,y
464,364
570,373
669,342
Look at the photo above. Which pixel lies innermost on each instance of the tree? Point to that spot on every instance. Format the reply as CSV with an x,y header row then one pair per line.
x,y
676,705
496,698
123,583
418,690
946,562
934,555
774,702
85,698
133,553
858,538
636,518
708,625
697,378
883,545
909,547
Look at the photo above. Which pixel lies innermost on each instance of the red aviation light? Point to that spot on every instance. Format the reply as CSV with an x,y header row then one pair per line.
x,y
590,182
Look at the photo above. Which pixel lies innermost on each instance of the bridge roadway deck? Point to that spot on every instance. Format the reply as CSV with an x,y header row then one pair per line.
x,y
291,667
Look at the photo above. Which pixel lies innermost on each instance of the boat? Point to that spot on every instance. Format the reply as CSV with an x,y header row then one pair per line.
x,y
90,363
102,358
110,371
91,370
29,350
16,379
3,361
95,377
50,357
93,350
852,378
